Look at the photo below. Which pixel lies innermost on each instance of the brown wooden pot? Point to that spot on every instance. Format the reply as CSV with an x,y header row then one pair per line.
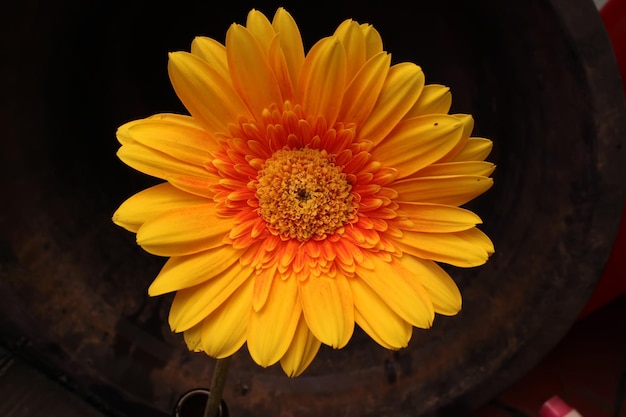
x,y
539,77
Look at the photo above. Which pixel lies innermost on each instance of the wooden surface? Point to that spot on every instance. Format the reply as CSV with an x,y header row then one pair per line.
x,y
537,75
587,369
27,392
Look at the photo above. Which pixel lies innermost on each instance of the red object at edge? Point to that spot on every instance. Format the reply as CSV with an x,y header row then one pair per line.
x,y
555,407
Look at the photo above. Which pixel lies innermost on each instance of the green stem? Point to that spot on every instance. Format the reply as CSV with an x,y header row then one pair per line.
x,y
217,387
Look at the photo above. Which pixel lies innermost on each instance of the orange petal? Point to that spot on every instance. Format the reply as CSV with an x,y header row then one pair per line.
x,y
353,40
252,76
442,290
471,168
177,119
260,28
209,97
122,133
213,52
377,319
290,42
475,149
328,308
467,121
194,304
180,138
157,164
323,79
193,338
401,290
453,190
373,41
438,218
187,271
435,99
278,63
301,352
202,187
262,286
184,231
401,89
224,331
465,249
418,142
479,238
271,329
362,92
149,203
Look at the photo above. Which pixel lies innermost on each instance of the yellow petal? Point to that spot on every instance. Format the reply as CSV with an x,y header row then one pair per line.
x,y
353,40
193,338
184,231
122,133
453,190
377,319
157,164
400,289
401,89
278,63
373,41
362,92
301,352
479,238
181,139
271,329
224,331
290,42
323,79
260,28
442,290
151,202
262,287
475,149
192,305
467,121
213,52
438,218
418,142
465,249
435,99
176,119
209,97
250,70
187,271
328,308
472,168
202,187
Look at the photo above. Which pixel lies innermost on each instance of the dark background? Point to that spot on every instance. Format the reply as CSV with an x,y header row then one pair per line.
x,y
540,80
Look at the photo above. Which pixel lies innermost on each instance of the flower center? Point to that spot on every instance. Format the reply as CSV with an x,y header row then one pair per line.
x,y
303,195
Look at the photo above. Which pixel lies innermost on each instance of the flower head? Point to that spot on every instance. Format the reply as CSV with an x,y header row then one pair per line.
x,y
304,193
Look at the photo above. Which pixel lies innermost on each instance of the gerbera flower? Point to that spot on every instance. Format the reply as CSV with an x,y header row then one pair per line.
x,y
304,193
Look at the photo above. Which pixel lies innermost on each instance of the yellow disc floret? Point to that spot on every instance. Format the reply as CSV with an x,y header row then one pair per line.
x,y
303,195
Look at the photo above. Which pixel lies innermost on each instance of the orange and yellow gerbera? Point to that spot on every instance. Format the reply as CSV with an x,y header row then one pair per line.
x,y
304,193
